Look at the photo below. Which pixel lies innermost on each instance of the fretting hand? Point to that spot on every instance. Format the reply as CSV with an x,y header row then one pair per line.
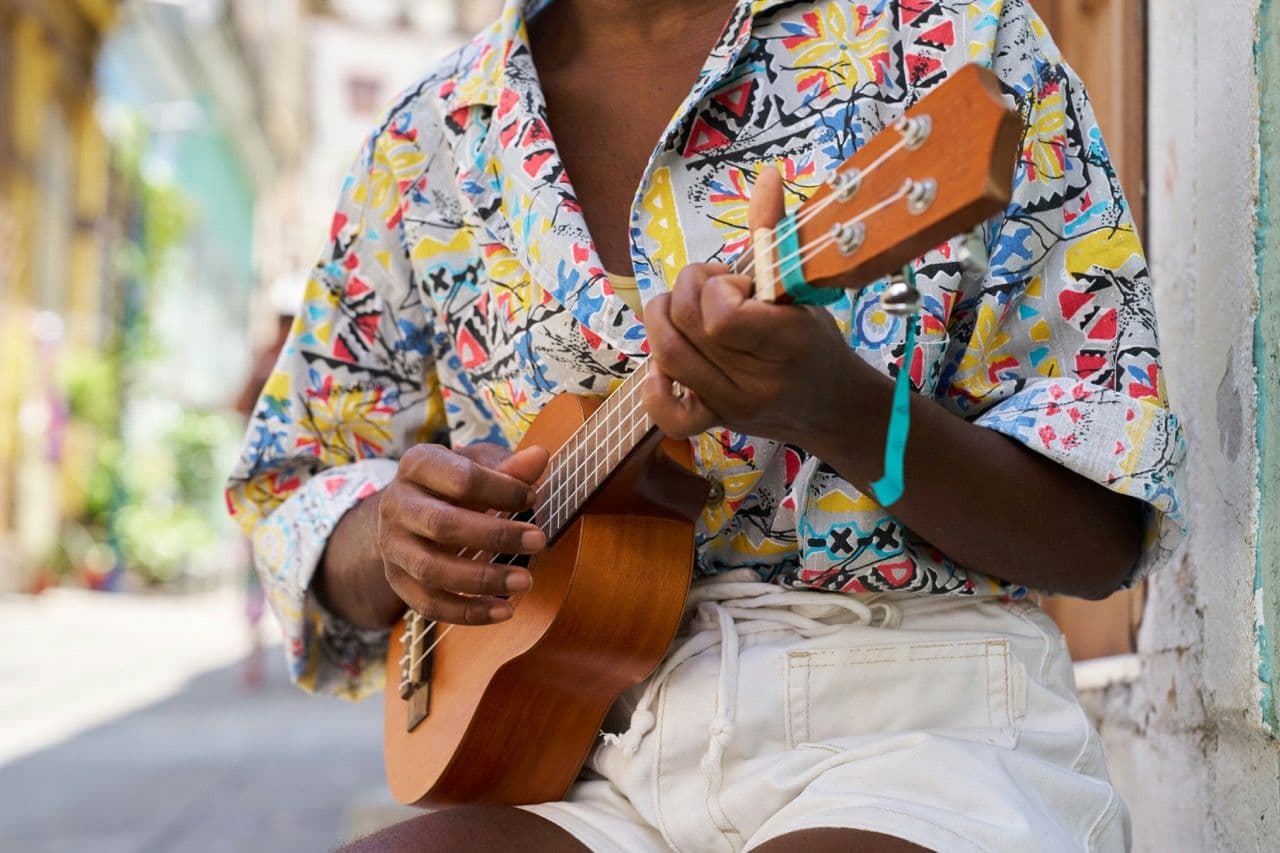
x,y
750,366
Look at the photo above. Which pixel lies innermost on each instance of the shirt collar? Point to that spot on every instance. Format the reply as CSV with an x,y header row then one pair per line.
x,y
480,76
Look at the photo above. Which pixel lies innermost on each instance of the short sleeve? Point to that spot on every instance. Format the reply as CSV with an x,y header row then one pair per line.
x,y
353,388
1058,344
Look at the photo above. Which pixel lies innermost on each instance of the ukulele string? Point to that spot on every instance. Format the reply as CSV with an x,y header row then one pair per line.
x,y
805,253
560,499
808,212
555,496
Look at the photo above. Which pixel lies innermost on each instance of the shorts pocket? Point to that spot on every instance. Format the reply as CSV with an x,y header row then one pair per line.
x,y
971,689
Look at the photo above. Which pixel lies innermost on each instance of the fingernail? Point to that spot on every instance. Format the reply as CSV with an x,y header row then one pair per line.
x,y
500,613
532,540
519,581
531,498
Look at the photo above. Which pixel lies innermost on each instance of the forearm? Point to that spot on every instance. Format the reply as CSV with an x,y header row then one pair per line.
x,y
350,581
985,501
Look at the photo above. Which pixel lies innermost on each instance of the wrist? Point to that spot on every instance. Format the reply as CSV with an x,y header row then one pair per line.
x,y
350,580
851,416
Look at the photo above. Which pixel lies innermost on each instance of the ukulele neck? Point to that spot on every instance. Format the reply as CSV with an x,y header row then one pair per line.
x,y
578,469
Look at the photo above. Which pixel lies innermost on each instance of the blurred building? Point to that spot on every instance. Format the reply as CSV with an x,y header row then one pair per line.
x,y
146,151
164,166
53,195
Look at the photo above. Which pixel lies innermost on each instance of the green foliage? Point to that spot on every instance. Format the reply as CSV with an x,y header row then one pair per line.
x,y
90,383
158,538
152,498
194,440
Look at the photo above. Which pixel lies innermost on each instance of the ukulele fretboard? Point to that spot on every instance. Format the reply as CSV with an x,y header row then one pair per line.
x,y
592,453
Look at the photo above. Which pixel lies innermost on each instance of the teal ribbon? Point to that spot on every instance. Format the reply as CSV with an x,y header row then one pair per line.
x,y
889,488
790,265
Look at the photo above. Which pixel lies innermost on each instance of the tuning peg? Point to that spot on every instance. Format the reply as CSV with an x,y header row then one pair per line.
x,y
914,130
849,236
921,195
899,298
845,184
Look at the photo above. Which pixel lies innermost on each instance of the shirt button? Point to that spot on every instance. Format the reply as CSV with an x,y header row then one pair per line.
x,y
716,493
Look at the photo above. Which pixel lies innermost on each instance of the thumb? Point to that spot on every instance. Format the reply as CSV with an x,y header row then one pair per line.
x,y
526,465
768,200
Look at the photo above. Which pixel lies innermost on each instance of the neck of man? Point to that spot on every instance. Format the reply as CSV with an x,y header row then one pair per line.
x,y
626,34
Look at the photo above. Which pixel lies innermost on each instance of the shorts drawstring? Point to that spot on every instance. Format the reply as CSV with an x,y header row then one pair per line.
x,y
738,603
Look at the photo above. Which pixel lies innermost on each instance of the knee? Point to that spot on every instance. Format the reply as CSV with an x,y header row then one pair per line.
x,y
466,829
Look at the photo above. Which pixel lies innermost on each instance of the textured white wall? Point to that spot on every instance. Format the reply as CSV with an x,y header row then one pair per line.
x,y
1185,740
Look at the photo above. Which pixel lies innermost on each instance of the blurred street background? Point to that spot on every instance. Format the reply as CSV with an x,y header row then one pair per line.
x,y
167,170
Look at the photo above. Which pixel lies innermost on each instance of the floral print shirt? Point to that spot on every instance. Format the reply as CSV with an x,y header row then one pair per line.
x,y
460,291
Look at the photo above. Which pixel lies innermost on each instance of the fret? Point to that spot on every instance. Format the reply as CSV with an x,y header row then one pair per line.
x,y
592,453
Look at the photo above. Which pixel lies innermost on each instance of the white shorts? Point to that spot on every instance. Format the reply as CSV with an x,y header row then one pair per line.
x,y
949,723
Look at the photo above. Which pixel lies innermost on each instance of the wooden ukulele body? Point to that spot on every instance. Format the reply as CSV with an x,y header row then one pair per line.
x,y
514,708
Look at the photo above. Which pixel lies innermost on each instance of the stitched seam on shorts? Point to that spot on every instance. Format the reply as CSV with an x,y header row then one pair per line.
x,y
1113,802
808,703
855,662
983,649
656,792
582,830
1044,667
986,662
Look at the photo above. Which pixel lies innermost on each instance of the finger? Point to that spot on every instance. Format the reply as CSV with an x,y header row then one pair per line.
x,y
485,453
439,606
443,523
768,200
677,417
679,359
460,479
685,295
437,569
723,304
747,330
527,465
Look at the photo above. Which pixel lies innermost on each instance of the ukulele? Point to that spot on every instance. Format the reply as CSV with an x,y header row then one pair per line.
x,y
507,713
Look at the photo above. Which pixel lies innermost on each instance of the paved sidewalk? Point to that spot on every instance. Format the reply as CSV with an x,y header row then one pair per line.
x,y
124,726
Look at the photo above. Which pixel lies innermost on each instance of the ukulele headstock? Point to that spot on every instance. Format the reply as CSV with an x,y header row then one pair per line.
x,y
944,168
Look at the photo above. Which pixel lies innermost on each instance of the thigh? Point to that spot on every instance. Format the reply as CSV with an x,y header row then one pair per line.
x,y
470,829
838,841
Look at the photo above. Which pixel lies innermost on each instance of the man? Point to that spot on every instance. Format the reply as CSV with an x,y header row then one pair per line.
x,y
914,699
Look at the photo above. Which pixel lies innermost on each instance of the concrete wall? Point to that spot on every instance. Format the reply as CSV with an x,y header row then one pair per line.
x,y
1184,724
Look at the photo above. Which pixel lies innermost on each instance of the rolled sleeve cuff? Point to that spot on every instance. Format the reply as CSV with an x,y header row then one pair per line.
x,y
1133,446
325,653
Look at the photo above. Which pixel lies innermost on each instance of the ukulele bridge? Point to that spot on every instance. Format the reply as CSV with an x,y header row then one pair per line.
x,y
415,667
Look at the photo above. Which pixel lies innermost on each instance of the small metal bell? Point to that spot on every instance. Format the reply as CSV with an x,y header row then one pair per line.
x,y
972,254
900,299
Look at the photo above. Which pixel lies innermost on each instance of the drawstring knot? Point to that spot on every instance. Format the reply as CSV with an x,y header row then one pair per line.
x,y
642,722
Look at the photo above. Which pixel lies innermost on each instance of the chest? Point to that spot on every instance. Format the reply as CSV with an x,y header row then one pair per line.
x,y
607,118
605,140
